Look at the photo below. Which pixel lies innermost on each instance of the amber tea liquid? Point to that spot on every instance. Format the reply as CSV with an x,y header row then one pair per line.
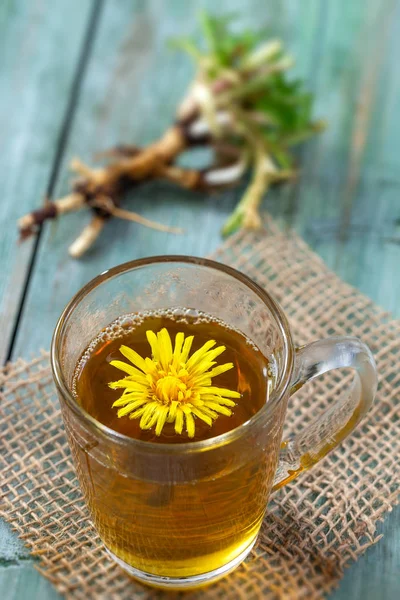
x,y
161,521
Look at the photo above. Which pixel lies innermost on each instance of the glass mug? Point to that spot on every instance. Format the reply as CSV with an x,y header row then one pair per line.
x,y
184,515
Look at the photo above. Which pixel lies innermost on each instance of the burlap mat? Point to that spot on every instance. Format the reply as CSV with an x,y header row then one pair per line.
x,y
315,526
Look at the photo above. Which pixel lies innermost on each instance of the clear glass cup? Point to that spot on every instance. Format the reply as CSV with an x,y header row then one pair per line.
x,y
184,515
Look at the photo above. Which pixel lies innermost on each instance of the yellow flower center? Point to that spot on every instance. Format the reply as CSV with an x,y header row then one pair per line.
x,y
171,386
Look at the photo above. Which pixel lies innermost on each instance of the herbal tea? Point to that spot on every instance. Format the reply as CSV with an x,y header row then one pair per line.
x,y
211,358
173,377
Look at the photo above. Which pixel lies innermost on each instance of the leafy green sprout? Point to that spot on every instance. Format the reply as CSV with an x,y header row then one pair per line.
x,y
266,113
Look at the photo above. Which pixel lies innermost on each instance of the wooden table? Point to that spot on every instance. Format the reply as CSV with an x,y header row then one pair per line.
x,y
77,76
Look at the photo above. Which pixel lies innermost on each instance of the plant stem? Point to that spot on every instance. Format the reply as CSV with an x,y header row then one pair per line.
x,y
246,212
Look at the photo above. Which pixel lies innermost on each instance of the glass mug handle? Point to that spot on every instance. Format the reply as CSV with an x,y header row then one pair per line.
x,y
324,433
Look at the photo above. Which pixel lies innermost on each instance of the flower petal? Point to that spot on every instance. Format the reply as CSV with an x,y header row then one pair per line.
x,y
186,348
153,341
138,413
130,408
200,354
201,369
162,413
220,369
190,426
218,400
202,415
152,420
129,398
199,382
218,408
151,367
165,348
218,391
129,385
179,339
147,414
134,357
172,411
208,411
123,366
179,421
214,353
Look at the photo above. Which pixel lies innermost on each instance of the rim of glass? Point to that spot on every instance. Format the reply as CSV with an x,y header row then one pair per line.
x,y
222,439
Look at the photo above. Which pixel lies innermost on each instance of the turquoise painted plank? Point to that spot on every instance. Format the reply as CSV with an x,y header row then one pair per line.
x,y
23,582
376,576
39,47
369,256
376,196
12,549
346,202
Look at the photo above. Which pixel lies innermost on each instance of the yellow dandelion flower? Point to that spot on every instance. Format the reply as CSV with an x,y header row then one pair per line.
x,y
171,386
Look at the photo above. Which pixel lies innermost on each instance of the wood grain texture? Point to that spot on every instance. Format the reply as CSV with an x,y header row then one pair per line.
x,y
376,576
39,48
23,582
346,202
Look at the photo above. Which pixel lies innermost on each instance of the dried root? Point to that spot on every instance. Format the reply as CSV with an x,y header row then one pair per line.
x,y
240,105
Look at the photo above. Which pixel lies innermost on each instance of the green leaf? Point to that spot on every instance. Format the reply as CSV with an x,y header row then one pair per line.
x,y
286,101
216,33
225,46
187,45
